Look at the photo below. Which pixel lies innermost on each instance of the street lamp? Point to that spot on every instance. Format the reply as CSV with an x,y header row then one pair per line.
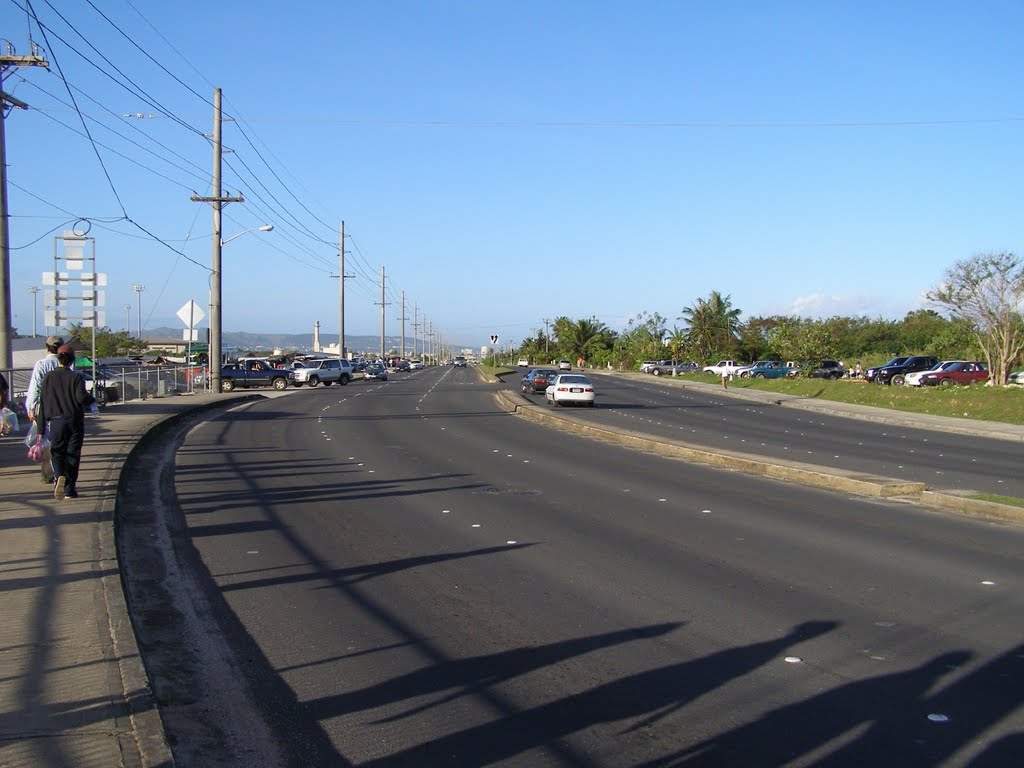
x,y
215,301
138,292
264,228
34,290
128,319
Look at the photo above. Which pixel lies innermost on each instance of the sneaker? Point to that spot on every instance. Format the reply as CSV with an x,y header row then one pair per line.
x,y
70,493
58,489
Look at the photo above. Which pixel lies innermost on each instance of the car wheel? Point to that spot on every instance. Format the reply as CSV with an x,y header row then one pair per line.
x,y
759,376
835,376
280,384
226,385
343,380
328,383
313,381
899,380
946,382
656,371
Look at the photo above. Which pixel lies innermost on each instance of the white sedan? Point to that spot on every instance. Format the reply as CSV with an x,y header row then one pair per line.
x,y
914,379
574,388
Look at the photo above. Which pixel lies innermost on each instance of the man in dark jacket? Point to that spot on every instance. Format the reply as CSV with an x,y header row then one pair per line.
x,y
62,409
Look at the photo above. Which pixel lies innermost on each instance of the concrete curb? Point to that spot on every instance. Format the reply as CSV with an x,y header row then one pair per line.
x,y
806,474
147,723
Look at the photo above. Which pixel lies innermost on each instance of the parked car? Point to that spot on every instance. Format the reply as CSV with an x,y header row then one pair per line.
x,y
963,372
896,370
537,380
415,365
564,365
913,379
647,365
744,370
723,368
328,371
402,365
824,369
376,371
568,388
254,373
773,369
671,369
1017,377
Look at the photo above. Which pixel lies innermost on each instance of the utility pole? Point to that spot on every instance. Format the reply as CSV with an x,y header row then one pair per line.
x,y
415,330
342,277
128,319
215,355
8,61
546,323
403,318
383,314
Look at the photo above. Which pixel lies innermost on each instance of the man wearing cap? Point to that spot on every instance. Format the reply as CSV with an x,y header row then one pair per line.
x,y
35,391
62,409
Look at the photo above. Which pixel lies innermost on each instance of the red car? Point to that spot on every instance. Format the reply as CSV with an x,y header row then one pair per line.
x,y
958,373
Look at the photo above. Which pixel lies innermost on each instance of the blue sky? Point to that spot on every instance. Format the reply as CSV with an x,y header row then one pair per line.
x,y
507,163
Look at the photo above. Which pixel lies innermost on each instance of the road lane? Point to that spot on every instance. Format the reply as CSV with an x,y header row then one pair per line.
x,y
439,583
711,419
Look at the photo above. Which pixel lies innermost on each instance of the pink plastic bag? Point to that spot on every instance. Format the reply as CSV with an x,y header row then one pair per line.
x,y
36,452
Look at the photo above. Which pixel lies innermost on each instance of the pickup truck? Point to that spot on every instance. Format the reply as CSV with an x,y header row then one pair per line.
x,y
723,368
327,371
254,373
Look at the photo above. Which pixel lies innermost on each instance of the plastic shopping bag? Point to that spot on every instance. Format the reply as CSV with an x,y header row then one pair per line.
x,y
37,452
32,436
8,421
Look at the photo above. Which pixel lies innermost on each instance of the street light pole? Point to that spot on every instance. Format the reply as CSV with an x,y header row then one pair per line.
x,y
34,290
128,319
138,291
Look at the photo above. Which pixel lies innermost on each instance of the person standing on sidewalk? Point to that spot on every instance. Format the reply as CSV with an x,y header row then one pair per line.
x,y
62,410
35,389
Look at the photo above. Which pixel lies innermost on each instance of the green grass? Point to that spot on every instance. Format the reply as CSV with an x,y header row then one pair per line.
x,y
491,370
1003,404
1011,500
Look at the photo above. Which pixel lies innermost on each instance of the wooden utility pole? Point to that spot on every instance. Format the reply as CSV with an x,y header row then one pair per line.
x,y
9,61
215,354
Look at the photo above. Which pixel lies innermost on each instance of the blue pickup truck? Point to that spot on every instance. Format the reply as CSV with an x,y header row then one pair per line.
x,y
254,373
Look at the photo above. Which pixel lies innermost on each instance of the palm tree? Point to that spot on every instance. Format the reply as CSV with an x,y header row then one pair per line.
x,y
712,325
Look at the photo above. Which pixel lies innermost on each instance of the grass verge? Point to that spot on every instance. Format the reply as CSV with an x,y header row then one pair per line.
x,y
1010,500
1002,404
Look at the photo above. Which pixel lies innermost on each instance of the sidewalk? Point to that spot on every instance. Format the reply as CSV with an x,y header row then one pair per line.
x,y
73,689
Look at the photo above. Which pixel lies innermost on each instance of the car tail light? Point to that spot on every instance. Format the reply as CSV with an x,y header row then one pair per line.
x,y
563,389
588,389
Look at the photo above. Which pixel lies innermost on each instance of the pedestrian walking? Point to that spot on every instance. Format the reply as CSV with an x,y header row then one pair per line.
x,y
725,378
61,409
35,388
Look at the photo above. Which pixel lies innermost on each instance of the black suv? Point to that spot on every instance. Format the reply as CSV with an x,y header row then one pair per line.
x,y
896,370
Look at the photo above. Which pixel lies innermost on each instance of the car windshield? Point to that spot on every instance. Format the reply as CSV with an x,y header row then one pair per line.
x,y
896,361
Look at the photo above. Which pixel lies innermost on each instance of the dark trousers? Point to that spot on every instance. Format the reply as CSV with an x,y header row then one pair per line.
x,y
66,436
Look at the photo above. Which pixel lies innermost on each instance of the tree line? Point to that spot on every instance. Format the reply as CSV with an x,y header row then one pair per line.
x,y
980,298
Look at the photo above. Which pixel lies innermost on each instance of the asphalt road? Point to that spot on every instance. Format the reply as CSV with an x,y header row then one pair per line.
x,y
404,575
706,418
